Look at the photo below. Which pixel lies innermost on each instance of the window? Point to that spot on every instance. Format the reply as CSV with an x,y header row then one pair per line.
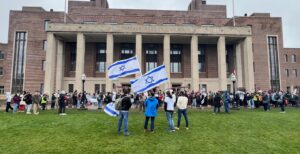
x,y
73,55
101,57
18,62
294,58
44,65
46,23
287,73
1,71
295,73
176,58
103,88
127,50
151,57
71,88
97,88
203,88
1,55
1,90
201,58
42,88
274,65
45,45
286,59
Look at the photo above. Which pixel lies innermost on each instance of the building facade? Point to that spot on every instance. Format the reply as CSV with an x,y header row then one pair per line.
x,y
200,47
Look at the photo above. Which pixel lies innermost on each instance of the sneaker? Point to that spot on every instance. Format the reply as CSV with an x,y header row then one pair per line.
x,y
187,128
127,134
145,130
176,128
28,112
173,130
152,131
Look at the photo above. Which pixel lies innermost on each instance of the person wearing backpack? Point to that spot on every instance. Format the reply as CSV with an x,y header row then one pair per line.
x,y
28,101
125,106
151,105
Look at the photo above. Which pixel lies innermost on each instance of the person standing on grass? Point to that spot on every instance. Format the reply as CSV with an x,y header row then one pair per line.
x,y
281,100
169,108
53,99
125,106
44,101
217,103
28,100
266,100
36,101
16,101
8,101
182,103
151,105
62,103
226,102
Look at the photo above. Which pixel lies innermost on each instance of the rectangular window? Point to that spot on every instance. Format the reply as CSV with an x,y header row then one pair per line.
x,y
71,88
97,88
42,88
274,65
295,73
103,88
46,23
1,71
176,51
203,88
151,56
101,57
201,58
127,50
73,54
286,58
287,73
1,55
44,65
294,58
45,45
1,90
18,62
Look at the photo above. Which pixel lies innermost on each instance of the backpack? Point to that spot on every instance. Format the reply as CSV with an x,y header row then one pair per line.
x,y
277,96
265,98
118,105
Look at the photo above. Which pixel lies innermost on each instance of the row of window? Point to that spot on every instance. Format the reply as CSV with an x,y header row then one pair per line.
x,y
98,88
294,73
293,58
146,23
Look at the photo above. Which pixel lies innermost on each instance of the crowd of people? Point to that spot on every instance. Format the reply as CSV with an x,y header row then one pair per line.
x,y
150,102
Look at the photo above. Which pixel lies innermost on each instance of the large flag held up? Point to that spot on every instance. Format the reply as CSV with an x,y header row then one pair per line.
x,y
150,80
123,68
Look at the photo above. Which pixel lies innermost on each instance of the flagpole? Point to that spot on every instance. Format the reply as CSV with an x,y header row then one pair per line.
x,y
233,13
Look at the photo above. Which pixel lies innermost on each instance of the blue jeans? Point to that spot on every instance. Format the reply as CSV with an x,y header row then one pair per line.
x,y
226,106
15,107
99,104
151,125
123,115
170,120
216,109
184,112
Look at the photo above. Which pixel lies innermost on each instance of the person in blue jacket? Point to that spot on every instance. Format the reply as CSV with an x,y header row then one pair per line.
x,y
226,102
151,106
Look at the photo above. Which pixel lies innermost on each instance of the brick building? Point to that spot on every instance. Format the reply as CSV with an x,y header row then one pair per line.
x,y
200,47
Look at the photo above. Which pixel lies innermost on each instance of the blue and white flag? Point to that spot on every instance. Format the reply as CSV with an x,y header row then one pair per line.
x,y
123,68
150,80
110,110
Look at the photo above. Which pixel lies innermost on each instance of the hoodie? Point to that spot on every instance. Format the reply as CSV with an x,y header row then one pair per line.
x,y
151,105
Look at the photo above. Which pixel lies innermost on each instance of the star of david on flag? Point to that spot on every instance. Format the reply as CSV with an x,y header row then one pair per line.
x,y
150,80
123,68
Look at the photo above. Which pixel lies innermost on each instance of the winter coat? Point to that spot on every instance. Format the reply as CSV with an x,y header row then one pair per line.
x,y
151,105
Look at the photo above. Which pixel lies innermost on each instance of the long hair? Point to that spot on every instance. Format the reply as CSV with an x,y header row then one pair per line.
x,y
169,94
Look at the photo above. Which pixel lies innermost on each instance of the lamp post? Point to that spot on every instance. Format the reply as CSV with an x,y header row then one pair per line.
x,y
83,78
233,79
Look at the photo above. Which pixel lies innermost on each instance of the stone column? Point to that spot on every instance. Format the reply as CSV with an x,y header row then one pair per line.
x,y
60,66
109,60
80,55
248,64
194,63
239,66
167,58
222,63
50,64
138,50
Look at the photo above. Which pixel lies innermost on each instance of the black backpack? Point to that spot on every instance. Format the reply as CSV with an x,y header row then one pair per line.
x,y
277,96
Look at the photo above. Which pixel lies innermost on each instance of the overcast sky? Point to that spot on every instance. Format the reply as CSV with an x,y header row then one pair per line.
x,y
287,9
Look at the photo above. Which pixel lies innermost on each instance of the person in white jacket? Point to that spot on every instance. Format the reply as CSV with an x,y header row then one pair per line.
x,y
8,101
182,110
169,108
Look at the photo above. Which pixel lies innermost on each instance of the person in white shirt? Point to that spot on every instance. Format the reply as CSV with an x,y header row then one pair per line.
x,y
169,108
182,109
8,101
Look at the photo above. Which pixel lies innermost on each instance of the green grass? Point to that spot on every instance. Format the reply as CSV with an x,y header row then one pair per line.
x,y
240,132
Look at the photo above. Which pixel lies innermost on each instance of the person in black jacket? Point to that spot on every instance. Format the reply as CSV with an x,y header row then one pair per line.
x,y
217,103
28,100
62,103
125,106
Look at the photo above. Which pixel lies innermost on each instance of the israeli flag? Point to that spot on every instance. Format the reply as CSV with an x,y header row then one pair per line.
x,y
123,68
110,110
150,80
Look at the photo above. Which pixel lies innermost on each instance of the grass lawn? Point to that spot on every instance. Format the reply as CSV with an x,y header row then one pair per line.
x,y
242,131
